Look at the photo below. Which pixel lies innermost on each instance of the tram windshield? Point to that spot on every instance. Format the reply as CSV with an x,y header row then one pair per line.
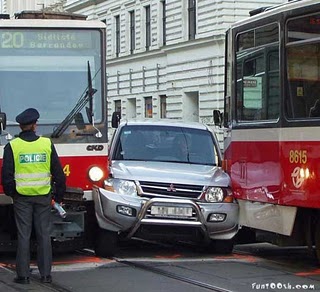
x,y
48,70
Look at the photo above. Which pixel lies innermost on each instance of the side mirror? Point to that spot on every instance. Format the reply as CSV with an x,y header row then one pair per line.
x,y
217,118
3,121
115,121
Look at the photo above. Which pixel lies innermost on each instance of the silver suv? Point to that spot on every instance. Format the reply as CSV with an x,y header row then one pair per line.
x,y
166,183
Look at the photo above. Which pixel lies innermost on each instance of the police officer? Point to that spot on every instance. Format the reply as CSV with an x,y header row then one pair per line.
x,y
30,168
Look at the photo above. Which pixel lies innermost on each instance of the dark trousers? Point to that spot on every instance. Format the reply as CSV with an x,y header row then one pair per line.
x,y
31,210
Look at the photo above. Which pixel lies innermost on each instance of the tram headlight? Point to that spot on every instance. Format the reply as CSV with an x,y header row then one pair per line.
x,y
121,186
95,173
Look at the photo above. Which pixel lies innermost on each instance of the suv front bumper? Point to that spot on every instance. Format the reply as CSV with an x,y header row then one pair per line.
x,y
125,214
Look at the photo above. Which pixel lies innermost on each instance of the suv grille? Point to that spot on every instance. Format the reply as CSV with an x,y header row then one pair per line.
x,y
156,189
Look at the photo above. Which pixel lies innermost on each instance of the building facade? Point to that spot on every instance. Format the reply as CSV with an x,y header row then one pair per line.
x,y
165,58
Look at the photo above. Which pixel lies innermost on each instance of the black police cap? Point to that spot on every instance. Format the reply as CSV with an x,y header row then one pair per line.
x,y
27,117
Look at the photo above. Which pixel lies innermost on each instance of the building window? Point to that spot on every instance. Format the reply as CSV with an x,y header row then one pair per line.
x,y
192,19
132,32
148,107
164,23
163,106
148,27
117,106
117,35
116,115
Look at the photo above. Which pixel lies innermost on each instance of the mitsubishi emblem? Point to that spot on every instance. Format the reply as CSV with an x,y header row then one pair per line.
x,y
171,188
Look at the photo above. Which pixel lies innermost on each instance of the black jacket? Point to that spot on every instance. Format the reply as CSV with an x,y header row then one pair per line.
x,y
8,181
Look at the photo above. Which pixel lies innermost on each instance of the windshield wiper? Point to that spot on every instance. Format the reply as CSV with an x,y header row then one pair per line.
x,y
86,97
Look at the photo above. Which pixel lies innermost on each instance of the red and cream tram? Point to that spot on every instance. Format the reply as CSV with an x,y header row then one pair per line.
x,y
272,122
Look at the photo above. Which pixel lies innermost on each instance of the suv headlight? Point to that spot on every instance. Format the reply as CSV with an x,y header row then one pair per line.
x,y
121,186
217,195
214,195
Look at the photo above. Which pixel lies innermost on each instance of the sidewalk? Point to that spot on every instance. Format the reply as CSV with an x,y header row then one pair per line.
x,y
7,284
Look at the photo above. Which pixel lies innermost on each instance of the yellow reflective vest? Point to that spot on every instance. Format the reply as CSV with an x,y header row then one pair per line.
x,y
32,162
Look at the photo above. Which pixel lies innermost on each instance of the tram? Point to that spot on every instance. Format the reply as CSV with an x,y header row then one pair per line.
x,y
55,62
271,123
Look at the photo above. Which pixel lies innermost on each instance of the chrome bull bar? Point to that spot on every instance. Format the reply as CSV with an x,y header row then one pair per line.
x,y
168,202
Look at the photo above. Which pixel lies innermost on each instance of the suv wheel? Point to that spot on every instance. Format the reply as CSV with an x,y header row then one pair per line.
x,y
106,243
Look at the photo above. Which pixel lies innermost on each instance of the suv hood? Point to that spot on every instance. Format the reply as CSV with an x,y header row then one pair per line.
x,y
184,173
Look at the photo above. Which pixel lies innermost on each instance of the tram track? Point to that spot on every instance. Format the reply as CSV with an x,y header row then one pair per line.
x,y
54,287
157,271
180,278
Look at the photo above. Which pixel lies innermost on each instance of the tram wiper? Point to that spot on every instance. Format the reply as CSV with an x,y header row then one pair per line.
x,y
89,110
86,97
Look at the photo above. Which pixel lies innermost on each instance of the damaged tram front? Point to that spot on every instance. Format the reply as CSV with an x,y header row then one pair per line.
x,y
56,63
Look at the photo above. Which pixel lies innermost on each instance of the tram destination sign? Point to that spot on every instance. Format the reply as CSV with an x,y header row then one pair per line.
x,y
46,39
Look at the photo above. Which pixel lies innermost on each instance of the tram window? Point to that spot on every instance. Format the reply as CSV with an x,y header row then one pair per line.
x,y
273,104
258,37
246,40
258,87
252,93
303,59
303,28
266,35
249,68
303,73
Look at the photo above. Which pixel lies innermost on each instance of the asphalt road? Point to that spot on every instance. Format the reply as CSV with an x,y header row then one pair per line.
x,y
148,267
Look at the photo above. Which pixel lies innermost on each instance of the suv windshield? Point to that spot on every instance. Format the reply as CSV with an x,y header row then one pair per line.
x,y
169,144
